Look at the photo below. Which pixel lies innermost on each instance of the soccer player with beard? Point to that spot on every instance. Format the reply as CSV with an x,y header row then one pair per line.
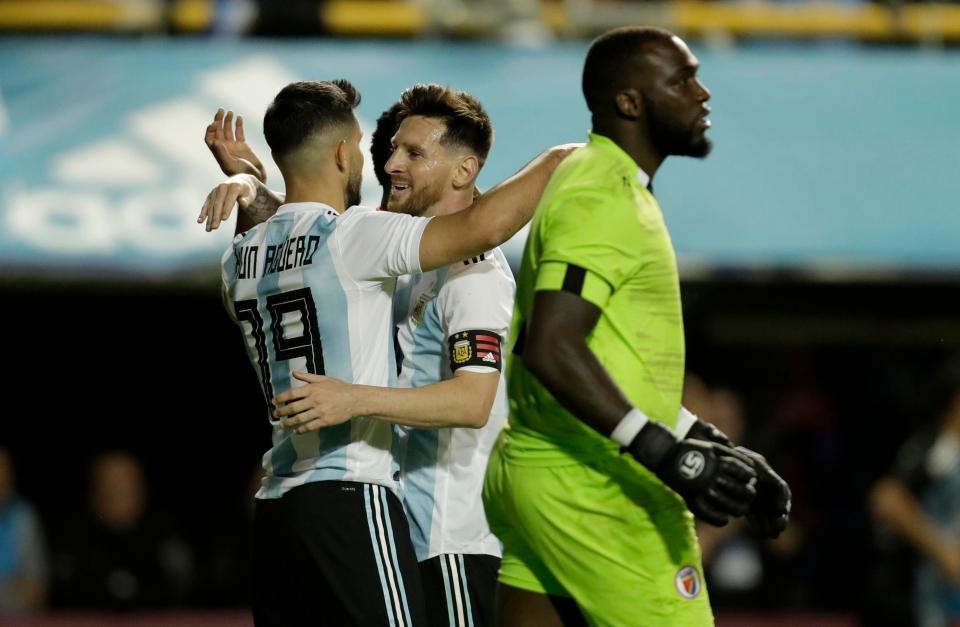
x,y
462,310
311,289
451,323
592,484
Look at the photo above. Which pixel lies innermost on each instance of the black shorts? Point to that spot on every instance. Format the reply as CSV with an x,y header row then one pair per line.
x,y
335,553
459,589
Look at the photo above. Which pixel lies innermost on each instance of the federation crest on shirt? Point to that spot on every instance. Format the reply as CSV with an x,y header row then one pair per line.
x,y
687,582
417,316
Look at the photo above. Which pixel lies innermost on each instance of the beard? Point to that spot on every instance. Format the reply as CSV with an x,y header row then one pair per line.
x,y
351,192
418,202
671,136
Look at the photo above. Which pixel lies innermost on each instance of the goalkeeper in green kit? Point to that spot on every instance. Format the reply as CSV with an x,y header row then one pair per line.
x,y
594,485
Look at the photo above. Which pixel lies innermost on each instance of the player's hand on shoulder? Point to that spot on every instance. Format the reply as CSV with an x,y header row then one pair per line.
x,y
227,142
238,190
322,402
770,511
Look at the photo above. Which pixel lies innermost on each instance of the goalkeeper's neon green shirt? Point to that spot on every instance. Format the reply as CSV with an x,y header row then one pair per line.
x,y
599,232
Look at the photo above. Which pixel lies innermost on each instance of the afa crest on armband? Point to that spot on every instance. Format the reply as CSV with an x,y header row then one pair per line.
x,y
462,351
474,348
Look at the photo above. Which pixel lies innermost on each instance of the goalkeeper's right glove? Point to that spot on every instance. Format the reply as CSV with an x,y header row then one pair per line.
x,y
714,480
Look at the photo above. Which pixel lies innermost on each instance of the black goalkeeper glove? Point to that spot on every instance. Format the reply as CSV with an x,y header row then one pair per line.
x,y
770,511
701,430
714,480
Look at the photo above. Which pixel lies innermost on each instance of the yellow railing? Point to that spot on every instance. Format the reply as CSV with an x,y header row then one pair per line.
x,y
93,15
912,22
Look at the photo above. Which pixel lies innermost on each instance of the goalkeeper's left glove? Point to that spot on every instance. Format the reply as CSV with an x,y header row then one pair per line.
x,y
770,510
701,430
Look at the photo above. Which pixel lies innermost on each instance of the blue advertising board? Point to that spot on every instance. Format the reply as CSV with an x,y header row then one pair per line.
x,y
826,159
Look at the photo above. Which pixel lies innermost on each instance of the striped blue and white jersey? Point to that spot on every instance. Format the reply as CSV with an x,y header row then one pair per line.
x,y
445,318
312,290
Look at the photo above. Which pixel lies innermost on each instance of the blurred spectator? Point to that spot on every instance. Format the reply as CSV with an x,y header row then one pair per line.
x,y
120,556
808,565
919,502
227,554
23,560
696,395
290,18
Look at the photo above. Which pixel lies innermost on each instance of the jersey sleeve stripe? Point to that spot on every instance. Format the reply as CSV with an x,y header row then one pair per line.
x,y
560,275
573,279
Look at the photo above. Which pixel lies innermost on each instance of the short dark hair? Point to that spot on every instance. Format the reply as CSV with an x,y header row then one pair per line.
x,y
381,142
304,108
605,68
468,124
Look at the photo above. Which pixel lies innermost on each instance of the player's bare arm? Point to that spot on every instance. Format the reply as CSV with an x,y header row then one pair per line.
x,y
494,218
892,502
256,202
463,401
556,352
228,144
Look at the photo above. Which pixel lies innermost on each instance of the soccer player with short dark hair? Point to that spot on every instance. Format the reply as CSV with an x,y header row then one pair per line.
x,y
594,484
311,289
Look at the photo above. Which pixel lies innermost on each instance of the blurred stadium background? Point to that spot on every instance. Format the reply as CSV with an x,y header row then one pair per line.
x,y
819,246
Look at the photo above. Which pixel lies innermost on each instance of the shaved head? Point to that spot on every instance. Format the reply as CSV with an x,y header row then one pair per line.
x,y
616,60
643,81
311,129
306,110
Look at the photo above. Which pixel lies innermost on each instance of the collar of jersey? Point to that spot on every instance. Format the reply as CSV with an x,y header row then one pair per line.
x,y
305,206
611,147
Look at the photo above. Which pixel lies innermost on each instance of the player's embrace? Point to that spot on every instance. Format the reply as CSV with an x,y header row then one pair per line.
x,y
311,289
592,485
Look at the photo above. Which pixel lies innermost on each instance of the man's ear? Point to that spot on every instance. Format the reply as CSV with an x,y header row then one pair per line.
x,y
466,173
341,156
629,103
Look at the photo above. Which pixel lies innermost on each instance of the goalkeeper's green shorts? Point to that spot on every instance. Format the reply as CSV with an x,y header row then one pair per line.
x,y
606,533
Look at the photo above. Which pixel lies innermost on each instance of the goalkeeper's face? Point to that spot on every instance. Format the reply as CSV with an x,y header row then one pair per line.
x,y
675,101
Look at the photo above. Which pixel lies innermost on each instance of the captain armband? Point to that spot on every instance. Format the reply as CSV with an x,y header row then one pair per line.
x,y
475,348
